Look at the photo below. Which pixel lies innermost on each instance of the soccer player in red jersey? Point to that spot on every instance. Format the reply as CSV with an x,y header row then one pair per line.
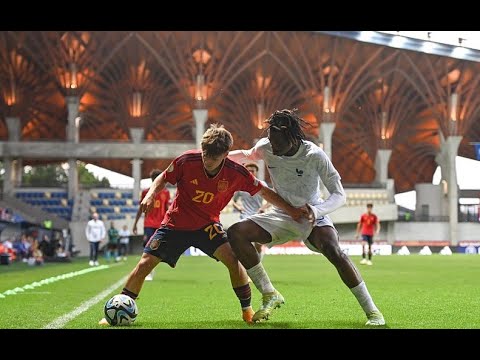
x,y
367,227
206,182
154,217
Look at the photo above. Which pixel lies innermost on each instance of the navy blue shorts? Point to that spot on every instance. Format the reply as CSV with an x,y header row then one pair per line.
x,y
368,239
168,244
147,234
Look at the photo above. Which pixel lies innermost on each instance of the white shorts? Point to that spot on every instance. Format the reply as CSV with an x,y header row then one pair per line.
x,y
283,228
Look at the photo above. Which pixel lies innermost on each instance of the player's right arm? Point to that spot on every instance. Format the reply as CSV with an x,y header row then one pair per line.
x,y
137,217
359,225
87,231
253,154
298,214
157,185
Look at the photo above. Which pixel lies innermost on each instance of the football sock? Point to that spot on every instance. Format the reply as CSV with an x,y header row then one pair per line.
x,y
127,292
364,299
244,294
260,278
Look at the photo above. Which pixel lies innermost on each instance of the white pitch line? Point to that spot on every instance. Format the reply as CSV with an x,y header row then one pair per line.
x,y
60,322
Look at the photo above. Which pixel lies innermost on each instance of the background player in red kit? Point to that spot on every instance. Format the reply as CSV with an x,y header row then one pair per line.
x,y
368,226
154,217
206,181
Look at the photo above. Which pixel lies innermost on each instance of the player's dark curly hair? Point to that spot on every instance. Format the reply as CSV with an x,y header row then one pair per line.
x,y
288,121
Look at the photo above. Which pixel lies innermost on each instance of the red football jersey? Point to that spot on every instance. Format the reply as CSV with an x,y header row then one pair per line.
x,y
154,217
368,223
199,198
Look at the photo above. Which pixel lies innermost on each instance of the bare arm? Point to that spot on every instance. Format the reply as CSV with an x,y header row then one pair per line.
x,y
357,234
242,156
237,207
377,228
137,217
87,231
264,207
157,185
298,214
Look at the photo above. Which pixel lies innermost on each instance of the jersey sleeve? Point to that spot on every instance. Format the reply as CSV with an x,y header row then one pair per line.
x,y
332,181
174,172
251,185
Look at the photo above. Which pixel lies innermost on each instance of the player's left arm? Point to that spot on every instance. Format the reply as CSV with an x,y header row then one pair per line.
x,y
266,205
253,154
157,185
377,226
332,181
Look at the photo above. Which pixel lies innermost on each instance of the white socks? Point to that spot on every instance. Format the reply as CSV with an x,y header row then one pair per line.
x,y
364,299
260,279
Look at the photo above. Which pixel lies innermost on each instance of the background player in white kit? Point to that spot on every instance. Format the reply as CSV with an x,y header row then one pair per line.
x,y
249,205
296,167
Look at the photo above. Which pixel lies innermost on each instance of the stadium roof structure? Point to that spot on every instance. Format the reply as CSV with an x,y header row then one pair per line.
x,y
380,97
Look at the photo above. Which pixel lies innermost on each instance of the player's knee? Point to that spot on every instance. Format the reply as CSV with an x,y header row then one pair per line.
x,y
333,252
233,233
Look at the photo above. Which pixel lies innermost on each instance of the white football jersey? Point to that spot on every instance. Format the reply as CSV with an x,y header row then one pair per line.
x,y
297,178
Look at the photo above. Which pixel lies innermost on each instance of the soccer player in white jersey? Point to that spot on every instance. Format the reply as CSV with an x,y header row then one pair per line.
x,y
249,205
296,167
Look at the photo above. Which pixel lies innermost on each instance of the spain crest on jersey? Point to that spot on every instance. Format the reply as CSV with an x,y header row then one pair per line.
x,y
222,185
154,244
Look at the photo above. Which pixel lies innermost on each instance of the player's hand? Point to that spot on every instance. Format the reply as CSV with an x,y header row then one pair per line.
x,y
299,214
147,203
134,229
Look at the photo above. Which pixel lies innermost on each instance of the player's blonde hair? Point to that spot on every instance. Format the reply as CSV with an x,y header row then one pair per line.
x,y
216,141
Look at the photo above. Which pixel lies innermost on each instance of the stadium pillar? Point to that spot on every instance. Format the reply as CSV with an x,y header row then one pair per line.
x,y
13,178
7,176
72,178
17,172
136,133
73,126
326,132
381,165
200,116
447,161
137,177
452,143
13,125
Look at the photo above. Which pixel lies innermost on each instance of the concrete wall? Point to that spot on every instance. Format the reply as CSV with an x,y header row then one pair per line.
x,y
80,241
431,195
432,231
351,214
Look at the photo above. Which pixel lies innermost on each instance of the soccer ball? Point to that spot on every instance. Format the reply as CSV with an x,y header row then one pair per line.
x,y
120,310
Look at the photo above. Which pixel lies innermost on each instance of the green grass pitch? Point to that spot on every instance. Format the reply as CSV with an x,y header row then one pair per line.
x,y
413,292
